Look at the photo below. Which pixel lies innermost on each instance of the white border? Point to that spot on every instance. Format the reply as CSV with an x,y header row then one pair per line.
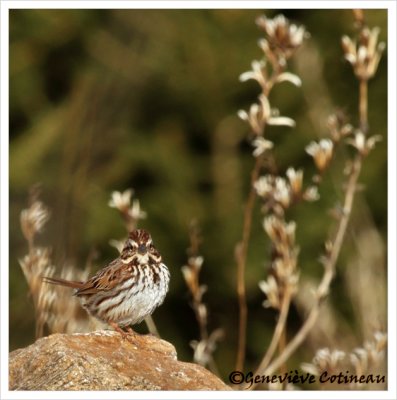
x,y
4,217
194,4
392,199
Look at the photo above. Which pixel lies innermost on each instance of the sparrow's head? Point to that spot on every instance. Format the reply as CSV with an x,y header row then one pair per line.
x,y
139,249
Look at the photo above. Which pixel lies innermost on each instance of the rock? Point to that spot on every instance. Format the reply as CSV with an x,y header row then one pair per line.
x,y
103,360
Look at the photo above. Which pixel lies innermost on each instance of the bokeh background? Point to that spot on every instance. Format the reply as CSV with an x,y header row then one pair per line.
x,y
104,100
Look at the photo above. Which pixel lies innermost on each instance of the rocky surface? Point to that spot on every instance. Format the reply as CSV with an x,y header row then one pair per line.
x,y
103,360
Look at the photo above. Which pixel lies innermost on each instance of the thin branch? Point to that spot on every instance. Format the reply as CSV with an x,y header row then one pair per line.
x,y
151,326
363,105
277,334
281,346
241,256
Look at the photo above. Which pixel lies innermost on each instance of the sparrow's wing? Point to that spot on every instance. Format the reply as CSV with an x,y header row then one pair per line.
x,y
107,278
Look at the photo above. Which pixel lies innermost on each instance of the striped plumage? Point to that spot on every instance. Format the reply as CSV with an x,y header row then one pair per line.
x,y
129,288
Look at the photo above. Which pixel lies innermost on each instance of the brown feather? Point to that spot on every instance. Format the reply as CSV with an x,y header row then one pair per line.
x,y
106,279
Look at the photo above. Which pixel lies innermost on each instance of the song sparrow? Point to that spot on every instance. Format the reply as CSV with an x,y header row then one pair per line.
x,y
129,288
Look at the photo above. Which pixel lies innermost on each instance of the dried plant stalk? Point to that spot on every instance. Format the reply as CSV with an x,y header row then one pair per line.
x,y
37,261
206,345
282,40
363,146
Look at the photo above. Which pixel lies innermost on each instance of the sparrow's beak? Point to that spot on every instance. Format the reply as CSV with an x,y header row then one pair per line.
x,y
142,249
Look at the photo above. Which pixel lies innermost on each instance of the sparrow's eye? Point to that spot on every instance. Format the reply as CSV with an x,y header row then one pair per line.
x,y
142,249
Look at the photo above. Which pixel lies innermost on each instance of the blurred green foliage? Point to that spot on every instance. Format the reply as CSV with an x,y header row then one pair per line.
x,y
104,100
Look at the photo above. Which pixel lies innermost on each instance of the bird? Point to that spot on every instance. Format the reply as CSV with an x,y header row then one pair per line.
x,y
128,289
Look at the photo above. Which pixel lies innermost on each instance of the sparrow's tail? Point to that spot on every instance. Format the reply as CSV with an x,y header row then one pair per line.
x,y
63,282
